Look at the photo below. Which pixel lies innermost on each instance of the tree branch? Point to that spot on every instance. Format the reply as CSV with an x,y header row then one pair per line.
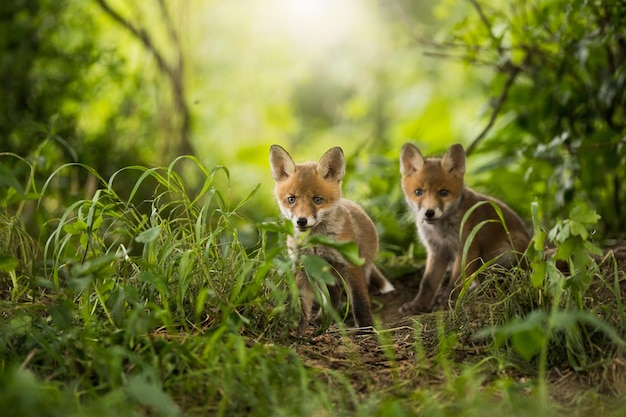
x,y
141,34
497,106
475,61
484,19
513,70
174,72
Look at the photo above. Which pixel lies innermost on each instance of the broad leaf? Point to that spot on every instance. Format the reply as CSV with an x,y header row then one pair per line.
x,y
318,268
149,235
349,250
8,263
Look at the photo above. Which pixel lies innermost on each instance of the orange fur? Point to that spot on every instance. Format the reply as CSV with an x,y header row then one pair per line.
x,y
309,195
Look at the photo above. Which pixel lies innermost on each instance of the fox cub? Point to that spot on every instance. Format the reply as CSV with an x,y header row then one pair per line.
x,y
436,194
309,196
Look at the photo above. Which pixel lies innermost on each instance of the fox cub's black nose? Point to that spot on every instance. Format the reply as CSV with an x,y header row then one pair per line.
x,y
301,221
429,213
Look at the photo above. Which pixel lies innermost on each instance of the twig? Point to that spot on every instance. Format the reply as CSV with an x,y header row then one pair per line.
x,y
407,23
474,61
484,19
28,358
515,70
138,33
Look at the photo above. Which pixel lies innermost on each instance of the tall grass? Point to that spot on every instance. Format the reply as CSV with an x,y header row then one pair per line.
x,y
153,307
562,309
133,306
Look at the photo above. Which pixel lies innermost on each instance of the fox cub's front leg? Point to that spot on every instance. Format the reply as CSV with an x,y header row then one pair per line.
x,y
359,297
306,300
431,282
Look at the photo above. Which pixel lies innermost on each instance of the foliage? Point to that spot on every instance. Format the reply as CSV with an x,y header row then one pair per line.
x,y
131,288
564,325
161,310
558,86
139,306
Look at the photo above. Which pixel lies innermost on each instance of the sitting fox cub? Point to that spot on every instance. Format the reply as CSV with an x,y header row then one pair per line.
x,y
309,195
436,194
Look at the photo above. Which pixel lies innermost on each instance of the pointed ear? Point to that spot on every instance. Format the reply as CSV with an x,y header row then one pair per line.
x,y
332,165
411,159
453,160
282,165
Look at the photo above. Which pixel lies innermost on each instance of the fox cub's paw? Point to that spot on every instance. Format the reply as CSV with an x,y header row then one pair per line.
x,y
413,308
386,288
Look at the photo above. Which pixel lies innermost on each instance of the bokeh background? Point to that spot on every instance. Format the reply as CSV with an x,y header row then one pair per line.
x,y
533,90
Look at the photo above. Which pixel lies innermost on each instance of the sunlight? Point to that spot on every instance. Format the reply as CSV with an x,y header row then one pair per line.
x,y
323,23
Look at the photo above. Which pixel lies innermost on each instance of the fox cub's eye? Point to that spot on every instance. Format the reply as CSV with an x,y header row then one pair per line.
x,y
318,200
291,199
419,192
444,193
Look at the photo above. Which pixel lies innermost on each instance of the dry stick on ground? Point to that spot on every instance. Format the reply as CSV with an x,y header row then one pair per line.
x,y
174,72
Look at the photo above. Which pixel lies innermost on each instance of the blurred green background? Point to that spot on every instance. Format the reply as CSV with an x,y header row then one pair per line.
x,y
535,91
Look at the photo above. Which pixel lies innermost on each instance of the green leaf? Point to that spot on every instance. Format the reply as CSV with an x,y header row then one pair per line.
x,y
286,227
149,235
97,222
593,249
75,228
578,229
584,214
349,250
581,257
146,391
566,320
538,239
8,263
527,343
527,335
318,268
83,274
117,303
63,314
600,325
565,249
7,179
159,282
553,233
21,324
538,273
16,198
563,232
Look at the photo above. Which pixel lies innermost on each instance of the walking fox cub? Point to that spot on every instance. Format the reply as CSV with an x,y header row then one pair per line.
x,y
309,195
435,192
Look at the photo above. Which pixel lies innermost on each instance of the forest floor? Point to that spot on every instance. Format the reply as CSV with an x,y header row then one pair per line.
x,y
406,352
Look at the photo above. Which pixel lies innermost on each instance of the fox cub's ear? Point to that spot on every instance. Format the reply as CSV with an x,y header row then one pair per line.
x,y
332,165
454,160
282,165
411,159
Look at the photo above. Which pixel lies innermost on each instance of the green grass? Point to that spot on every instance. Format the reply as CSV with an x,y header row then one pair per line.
x,y
131,307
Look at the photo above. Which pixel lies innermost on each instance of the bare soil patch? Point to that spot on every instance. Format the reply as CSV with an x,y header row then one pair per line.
x,y
403,354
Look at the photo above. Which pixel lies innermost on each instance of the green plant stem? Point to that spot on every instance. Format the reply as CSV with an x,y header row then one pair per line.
x,y
542,387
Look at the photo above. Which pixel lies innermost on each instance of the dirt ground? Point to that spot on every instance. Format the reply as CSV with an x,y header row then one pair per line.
x,y
393,357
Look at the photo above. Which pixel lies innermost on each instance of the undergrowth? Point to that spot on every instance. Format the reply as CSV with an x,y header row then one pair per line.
x,y
131,307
